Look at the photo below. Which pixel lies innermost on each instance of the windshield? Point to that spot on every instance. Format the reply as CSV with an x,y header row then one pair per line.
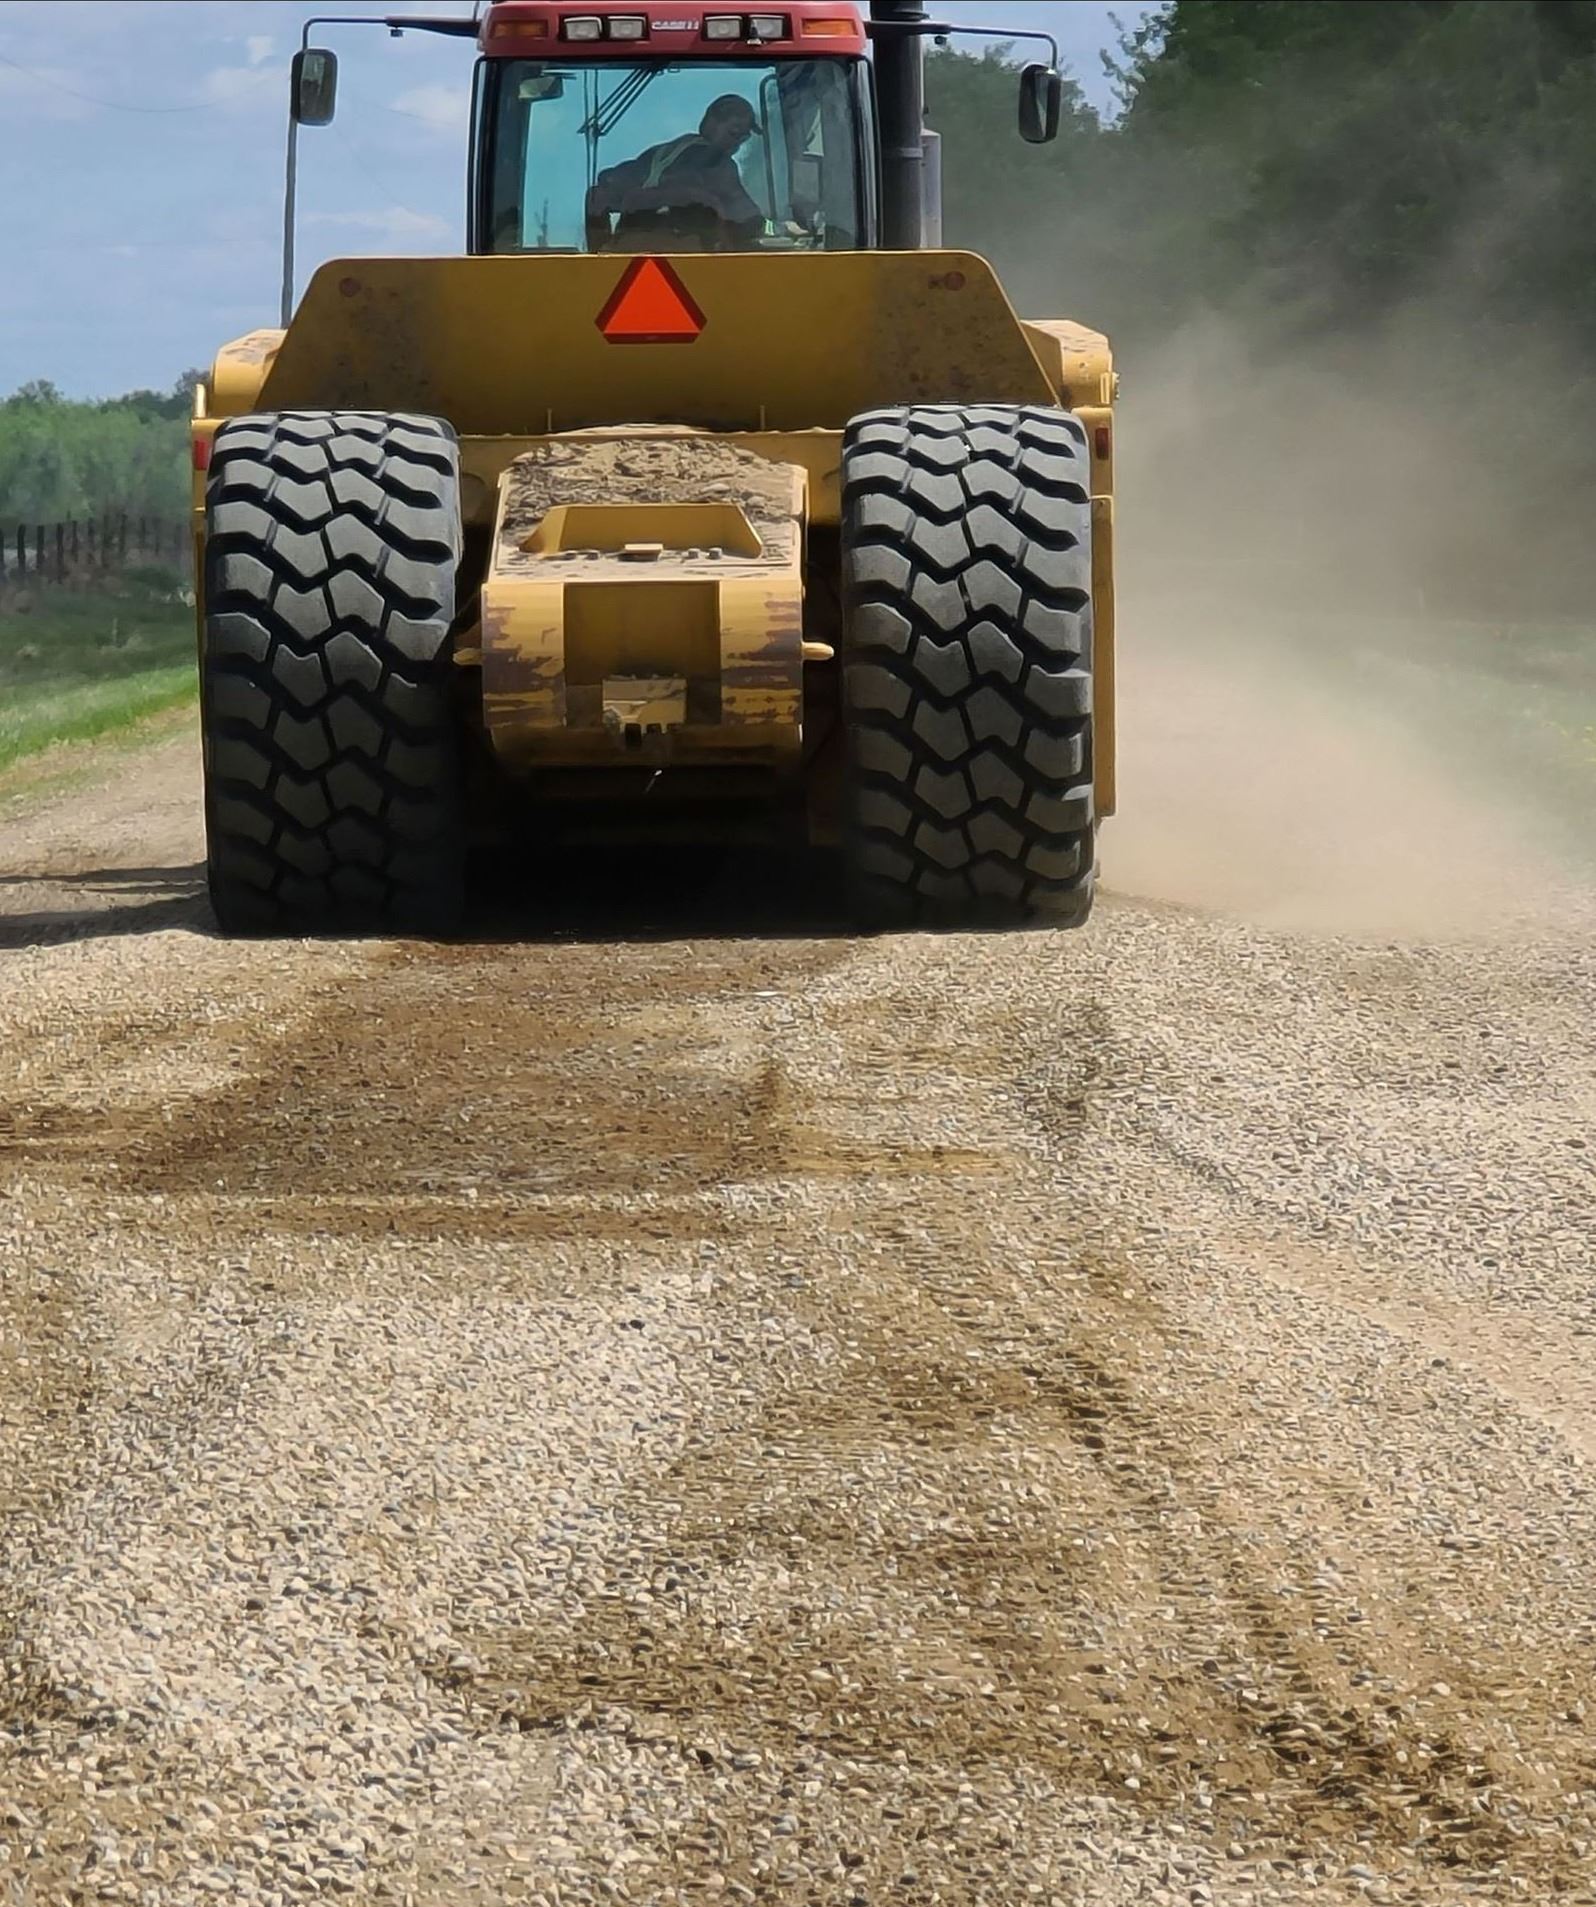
x,y
700,156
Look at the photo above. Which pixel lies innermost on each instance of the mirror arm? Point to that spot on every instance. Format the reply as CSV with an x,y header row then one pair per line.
x,y
941,29
290,191
397,24
453,26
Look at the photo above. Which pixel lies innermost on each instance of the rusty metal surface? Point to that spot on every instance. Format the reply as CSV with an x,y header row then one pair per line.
x,y
818,453
561,625
641,704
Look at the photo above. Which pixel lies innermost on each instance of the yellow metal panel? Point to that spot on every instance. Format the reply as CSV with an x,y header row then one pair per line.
x,y
202,430
646,627
240,370
1078,360
669,558
1099,426
1104,738
643,531
511,345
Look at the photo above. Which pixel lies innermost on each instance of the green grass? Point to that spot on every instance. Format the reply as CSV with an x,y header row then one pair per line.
x,y
76,667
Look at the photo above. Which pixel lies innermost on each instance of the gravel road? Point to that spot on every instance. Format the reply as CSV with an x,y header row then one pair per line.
x,y
667,1403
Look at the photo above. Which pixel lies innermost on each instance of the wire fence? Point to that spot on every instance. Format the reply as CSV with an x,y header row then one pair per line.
x,y
85,553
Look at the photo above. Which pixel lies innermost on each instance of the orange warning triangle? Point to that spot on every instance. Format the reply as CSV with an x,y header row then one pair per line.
x,y
650,305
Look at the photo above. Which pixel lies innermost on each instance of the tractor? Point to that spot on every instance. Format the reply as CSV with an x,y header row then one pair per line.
x,y
707,498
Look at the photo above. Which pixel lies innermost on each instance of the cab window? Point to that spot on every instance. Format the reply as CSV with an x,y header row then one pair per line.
x,y
708,155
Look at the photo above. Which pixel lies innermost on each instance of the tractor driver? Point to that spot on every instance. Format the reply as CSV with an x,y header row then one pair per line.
x,y
683,189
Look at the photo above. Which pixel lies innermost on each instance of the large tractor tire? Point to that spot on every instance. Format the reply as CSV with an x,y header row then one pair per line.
x,y
967,667
333,797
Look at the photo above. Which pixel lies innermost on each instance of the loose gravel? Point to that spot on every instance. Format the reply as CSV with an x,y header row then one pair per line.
x,y
784,1418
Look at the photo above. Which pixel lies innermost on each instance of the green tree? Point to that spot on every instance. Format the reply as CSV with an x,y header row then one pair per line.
x,y
1000,196
1319,164
60,458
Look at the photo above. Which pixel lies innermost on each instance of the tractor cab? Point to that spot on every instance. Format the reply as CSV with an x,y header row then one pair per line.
x,y
676,126
672,128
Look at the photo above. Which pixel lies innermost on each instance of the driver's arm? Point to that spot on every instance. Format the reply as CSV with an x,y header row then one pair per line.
x,y
732,201
610,191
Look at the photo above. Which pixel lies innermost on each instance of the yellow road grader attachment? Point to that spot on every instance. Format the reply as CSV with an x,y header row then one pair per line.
x,y
725,517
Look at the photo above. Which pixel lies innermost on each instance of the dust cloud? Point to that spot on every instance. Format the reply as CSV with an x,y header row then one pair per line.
x,y
1327,718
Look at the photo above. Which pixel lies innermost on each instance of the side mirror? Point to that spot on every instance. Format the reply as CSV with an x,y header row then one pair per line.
x,y
543,86
1041,98
313,86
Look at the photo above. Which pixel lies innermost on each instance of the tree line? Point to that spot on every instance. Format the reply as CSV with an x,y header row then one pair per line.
x,y
1354,243
69,460
1325,178
1306,166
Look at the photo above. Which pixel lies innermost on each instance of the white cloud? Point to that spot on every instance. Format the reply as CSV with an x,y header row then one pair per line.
x,y
239,86
258,48
395,222
445,110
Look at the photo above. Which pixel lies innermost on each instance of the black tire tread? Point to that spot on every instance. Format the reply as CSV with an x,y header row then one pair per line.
x,y
333,795
967,666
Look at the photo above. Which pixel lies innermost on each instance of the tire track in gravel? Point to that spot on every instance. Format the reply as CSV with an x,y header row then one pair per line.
x,y
1459,1690
1276,1696
793,1420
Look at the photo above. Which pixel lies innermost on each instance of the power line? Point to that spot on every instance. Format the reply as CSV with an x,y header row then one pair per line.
x,y
358,153
117,105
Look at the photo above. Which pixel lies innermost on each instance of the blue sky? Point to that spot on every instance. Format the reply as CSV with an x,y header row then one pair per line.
x,y
141,160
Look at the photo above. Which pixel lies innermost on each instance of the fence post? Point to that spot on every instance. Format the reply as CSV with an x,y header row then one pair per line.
x,y
121,541
72,529
60,552
38,549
